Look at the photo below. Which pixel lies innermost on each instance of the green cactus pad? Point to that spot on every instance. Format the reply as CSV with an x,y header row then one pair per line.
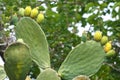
x,y
48,74
17,61
2,73
33,35
84,59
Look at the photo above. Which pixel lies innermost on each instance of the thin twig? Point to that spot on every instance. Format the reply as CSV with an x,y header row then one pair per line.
x,y
113,67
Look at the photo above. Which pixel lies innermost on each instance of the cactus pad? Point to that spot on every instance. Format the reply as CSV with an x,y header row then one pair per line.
x,y
17,61
32,34
84,59
48,74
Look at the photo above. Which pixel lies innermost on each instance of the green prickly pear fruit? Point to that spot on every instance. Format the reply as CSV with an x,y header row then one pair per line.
x,y
34,13
97,36
40,18
21,11
81,77
110,53
27,11
104,40
17,61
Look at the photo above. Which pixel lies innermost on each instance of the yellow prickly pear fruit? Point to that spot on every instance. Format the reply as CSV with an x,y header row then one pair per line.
x,y
21,11
110,53
27,78
97,36
34,13
104,40
107,47
27,11
40,18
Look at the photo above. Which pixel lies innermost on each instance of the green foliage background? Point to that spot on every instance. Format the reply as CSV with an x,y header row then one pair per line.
x,y
68,13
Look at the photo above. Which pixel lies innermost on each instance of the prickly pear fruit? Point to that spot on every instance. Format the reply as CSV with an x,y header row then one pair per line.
x,y
34,13
21,11
27,11
40,18
81,77
17,61
104,40
110,53
107,47
97,36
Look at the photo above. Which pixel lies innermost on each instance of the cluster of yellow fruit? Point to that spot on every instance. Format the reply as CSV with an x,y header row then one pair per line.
x,y
33,13
106,44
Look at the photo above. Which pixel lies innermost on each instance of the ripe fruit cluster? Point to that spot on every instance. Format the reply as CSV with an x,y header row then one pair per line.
x,y
33,13
107,45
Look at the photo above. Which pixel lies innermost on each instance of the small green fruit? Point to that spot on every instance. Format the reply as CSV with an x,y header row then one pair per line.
x,y
110,53
21,11
97,36
104,40
27,11
34,13
40,18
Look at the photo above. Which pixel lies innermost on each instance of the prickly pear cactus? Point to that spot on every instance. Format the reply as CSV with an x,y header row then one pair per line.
x,y
48,74
17,61
84,59
32,34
